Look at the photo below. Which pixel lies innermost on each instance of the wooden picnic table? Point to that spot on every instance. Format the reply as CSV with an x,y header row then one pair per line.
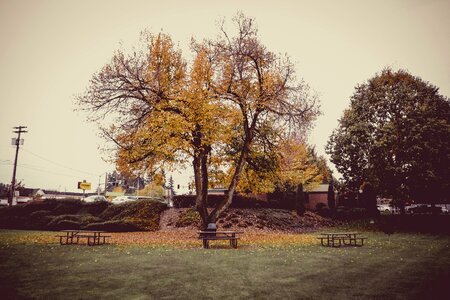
x,y
207,236
338,239
73,236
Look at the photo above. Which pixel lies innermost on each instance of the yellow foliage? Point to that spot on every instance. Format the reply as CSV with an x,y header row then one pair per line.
x,y
118,189
152,190
296,166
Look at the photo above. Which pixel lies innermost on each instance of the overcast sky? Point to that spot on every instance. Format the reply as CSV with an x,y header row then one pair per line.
x,y
50,49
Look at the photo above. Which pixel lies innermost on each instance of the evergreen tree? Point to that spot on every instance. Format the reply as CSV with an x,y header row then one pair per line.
x,y
171,186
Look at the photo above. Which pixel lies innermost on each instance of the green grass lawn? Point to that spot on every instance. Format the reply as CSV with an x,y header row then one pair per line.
x,y
400,266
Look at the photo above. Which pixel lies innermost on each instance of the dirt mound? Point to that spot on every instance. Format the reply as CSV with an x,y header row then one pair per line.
x,y
252,219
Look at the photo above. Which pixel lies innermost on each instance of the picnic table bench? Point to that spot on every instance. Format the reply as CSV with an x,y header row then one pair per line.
x,y
338,239
207,236
93,237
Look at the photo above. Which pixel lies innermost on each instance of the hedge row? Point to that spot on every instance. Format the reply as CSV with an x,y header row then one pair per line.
x,y
436,224
52,214
239,201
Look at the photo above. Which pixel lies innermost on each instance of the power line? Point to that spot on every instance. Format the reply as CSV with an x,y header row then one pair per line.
x,y
34,168
59,164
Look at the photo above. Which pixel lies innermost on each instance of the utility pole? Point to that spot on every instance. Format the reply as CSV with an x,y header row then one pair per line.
x,y
98,188
19,130
106,182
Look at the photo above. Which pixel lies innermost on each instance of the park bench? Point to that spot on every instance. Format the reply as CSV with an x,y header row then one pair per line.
x,y
338,239
93,237
207,236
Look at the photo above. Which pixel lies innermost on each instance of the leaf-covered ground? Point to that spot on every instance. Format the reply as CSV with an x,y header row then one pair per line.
x,y
267,265
179,239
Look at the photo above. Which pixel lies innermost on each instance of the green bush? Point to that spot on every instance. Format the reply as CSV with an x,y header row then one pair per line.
x,y
56,222
39,214
112,210
39,219
325,212
239,201
11,222
349,214
32,206
67,206
141,209
73,214
146,224
113,226
188,218
94,208
67,224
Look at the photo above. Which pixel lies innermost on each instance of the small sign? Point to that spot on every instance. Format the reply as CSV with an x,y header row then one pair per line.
x,y
84,185
16,141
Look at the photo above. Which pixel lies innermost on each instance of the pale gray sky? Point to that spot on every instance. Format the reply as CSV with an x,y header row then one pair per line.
x,y
50,49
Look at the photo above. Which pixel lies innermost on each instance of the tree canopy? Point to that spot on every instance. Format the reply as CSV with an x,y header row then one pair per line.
x,y
160,110
396,136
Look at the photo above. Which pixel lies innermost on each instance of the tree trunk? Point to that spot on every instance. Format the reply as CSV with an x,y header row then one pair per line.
x,y
204,167
200,204
300,200
232,188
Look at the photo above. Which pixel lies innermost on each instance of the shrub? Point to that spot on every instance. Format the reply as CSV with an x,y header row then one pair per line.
x,y
282,200
320,206
15,218
147,224
112,211
11,222
188,218
73,214
56,222
239,201
113,226
94,208
41,204
325,212
39,219
141,209
67,224
67,206
32,206
351,213
184,201
136,215
436,224
40,214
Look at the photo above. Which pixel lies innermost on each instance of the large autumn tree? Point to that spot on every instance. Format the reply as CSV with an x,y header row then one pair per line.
x,y
160,110
396,137
263,87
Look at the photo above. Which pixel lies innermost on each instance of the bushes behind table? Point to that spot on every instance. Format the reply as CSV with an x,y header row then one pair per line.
x,y
55,214
274,200
188,218
95,208
424,223
239,201
114,226
142,215
343,213
71,222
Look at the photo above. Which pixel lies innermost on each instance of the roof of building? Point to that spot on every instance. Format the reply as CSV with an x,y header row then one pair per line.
x,y
321,188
